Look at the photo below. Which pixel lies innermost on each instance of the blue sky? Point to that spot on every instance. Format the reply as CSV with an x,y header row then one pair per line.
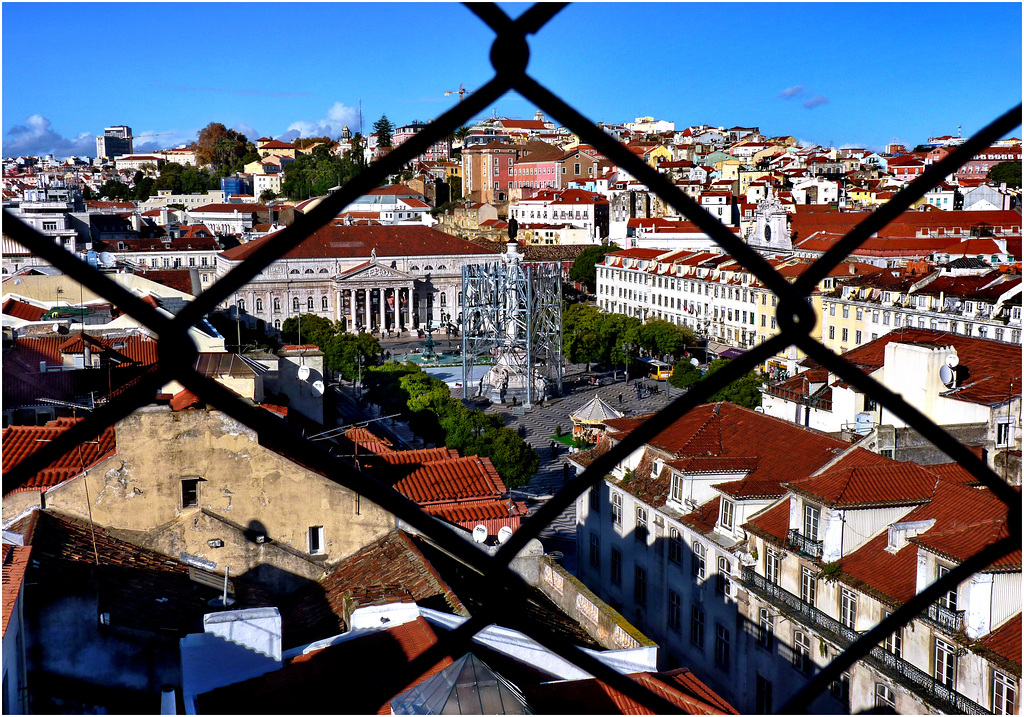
x,y
841,73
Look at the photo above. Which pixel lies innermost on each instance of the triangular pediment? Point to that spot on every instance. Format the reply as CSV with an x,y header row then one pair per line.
x,y
375,270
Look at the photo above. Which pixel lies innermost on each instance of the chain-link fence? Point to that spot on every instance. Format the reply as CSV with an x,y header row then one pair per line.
x,y
795,316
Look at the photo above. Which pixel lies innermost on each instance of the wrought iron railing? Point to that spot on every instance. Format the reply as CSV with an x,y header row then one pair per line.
x,y
795,317
903,672
950,621
804,545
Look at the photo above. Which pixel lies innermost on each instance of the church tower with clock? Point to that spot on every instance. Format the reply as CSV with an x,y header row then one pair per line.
x,y
771,226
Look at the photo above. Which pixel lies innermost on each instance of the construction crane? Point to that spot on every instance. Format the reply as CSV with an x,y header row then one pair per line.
x,y
462,91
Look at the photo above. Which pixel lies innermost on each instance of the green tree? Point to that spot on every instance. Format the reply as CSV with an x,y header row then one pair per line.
x,y
1008,172
660,337
223,148
115,190
384,130
583,269
744,391
684,375
267,195
345,353
315,330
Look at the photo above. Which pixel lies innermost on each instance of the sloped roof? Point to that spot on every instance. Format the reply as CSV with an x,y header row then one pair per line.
x,y
966,519
724,430
1005,642
349,242
64,553
19,442
467,686
332,680
680,687
15,559
596,411
23,310
883,484
469,478
391,565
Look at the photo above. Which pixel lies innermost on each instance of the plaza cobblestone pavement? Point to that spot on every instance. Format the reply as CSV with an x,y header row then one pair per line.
x,y
540,422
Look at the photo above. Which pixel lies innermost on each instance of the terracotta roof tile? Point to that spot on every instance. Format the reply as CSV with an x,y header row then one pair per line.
x,y
348,668
23,310
19,442
1005,641
472,477
15,559
391,564
772,449
357,241
859,486
704,518
680,687
772,523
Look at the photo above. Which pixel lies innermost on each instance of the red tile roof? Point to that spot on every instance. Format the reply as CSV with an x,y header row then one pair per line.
x,y
389,569
15,559
470,478
1005,641
348,668
19,442
241,208
723,430
856,486
357,241
680,687
772,523
704,518
23,310
993,367
966,519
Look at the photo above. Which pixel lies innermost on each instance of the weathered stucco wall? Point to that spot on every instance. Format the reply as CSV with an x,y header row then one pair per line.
x,y
140,489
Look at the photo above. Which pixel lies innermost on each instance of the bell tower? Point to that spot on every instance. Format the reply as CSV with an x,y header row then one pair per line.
x,y
771,227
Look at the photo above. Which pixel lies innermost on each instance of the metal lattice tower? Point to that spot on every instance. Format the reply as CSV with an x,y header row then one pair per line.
x,y
512,313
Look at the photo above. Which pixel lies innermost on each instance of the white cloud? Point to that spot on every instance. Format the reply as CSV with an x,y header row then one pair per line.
x,y
815,102
37,139
248,130
338,116
791,91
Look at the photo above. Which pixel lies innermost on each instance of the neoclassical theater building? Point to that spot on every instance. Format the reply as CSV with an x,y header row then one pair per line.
x,y
368,277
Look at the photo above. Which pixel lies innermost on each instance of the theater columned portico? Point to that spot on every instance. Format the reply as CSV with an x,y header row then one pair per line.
x,y
375,297
368,278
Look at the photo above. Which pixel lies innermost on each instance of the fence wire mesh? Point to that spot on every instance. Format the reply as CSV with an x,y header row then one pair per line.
x,y
795,315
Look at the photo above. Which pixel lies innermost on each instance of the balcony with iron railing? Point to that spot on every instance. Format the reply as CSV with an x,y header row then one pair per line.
x,y
950,621
916,680
804,545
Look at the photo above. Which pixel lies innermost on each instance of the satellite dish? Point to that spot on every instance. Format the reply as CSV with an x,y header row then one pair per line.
x,y
479,534
303,373
947,376
952,360
694,362
107,259
504,534
317,388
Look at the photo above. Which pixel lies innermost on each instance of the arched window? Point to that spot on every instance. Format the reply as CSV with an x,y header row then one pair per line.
x,y
323,303
277,324
259,305
308,271
428,267
277,304
309,303
241,305
414,268
294,271
295,303
441,268
444,299
323,271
